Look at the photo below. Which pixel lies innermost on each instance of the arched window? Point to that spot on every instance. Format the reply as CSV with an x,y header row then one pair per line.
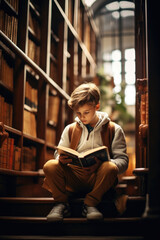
x,y
116,46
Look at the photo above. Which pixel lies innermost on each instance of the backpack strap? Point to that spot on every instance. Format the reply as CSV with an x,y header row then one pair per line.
x,y
107,134
75,132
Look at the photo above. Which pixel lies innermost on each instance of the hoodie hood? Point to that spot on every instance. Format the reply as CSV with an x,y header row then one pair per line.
x,y
103,119
90,140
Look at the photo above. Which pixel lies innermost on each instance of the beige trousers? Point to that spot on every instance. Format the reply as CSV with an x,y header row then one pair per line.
x,y
59,179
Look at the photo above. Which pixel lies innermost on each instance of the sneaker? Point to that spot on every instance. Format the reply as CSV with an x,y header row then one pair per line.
x,y
59,211
91,213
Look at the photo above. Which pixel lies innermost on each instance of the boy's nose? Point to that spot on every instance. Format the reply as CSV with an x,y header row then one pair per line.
x,y
82,118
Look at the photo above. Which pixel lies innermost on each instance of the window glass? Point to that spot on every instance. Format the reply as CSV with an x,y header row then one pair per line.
x,y
130,66
107,68
117,78
117,88
130,54
130,94
130,78
116,55
116,67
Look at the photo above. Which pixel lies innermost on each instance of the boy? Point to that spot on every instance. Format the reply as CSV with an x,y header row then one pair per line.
x,y
61,176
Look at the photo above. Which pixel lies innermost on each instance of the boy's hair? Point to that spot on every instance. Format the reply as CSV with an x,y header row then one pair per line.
x,y
86,93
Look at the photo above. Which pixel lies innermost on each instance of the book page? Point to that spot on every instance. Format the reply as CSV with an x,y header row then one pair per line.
x,y
81,155
67,151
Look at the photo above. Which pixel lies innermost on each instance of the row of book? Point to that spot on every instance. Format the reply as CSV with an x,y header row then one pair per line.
x,y
29,159
14,4
10,155
9,25
6,70
53,109
34,24
51,135
31,97
53,71
34,33
33,51
30,123
53,112
6,112
54,46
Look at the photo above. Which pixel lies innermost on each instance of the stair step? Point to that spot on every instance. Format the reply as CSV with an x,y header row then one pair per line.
x,y
40,207
71,238
27,216
71,226
23,219
131,182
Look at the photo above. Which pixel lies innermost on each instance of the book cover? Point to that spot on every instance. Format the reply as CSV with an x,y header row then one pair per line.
x,y
53,109
17,158
87,158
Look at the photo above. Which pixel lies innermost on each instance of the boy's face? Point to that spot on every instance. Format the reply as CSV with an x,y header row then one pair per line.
x,y
87,114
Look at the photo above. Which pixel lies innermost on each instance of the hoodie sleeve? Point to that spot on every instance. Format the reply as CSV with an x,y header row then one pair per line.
x,y
120,157
64,140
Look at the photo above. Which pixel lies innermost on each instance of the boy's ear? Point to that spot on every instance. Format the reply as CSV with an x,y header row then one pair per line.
x,y
97,106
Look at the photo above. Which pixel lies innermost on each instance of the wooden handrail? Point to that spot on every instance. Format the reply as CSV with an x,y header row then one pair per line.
x,y
32,64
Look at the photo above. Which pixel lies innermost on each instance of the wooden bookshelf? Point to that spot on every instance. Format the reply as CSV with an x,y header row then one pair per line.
x,y
46,51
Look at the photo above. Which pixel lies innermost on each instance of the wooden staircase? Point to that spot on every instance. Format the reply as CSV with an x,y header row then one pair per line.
x,y
27,216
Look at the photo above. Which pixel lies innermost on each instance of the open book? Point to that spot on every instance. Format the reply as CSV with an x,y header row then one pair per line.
x,y
87,158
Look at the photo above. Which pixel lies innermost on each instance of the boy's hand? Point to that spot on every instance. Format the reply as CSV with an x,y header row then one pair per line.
x,y
93,168
64,159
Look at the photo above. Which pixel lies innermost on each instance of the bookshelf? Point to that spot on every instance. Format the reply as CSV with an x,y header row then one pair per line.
x,y
46,52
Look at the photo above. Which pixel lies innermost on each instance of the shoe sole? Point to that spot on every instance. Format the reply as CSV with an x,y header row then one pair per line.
x,y
58,219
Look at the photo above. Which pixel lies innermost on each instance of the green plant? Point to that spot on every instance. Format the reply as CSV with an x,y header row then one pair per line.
x,y
113,102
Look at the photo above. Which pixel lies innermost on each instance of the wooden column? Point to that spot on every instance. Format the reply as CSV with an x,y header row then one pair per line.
x,y
153,209
140,47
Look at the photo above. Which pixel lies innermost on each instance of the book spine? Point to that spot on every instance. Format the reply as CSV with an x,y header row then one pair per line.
x,y
17,158
29,159
10,155
6,110
81,163
53,109
6,70
51,135
9,25
31,97
30,124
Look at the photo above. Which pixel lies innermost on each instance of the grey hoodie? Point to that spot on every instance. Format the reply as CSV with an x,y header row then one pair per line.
x,y
93,140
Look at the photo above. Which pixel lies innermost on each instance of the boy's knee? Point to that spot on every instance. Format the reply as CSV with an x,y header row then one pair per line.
x,y
113,167
49,166
110,167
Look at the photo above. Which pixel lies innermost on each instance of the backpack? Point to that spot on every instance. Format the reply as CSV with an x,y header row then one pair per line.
x,y
107,134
